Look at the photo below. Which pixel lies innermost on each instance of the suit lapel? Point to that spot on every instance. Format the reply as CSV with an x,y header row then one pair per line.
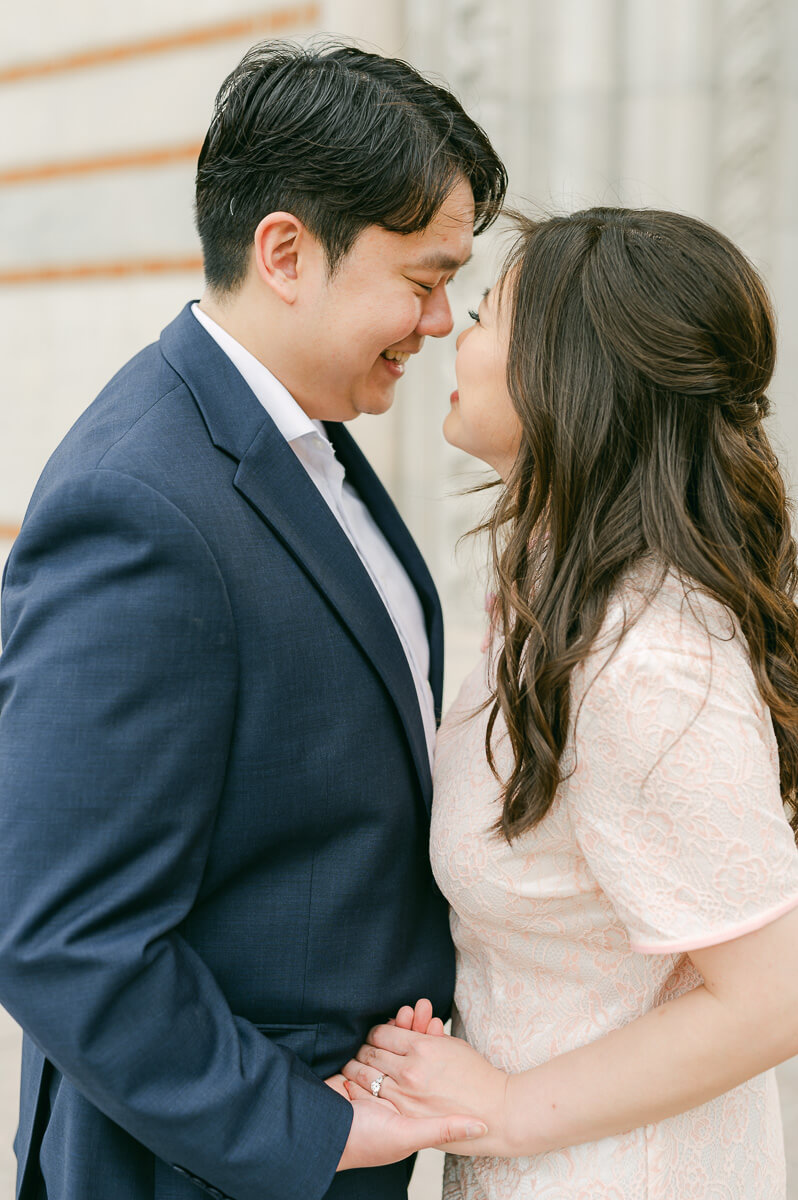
x,y
273,481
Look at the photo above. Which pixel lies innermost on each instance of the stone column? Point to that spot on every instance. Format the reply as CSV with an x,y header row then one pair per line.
x,y
543,81
376,25
465,43
746,121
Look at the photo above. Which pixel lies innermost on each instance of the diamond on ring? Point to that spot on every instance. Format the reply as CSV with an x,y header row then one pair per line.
x,y
376,1084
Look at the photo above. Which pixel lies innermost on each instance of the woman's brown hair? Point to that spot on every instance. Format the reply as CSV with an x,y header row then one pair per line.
x,y
641,346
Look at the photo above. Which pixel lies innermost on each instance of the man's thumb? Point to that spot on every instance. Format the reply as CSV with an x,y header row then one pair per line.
x,y
459,1129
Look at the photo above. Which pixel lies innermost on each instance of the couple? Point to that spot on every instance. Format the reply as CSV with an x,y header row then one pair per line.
x,y
222,677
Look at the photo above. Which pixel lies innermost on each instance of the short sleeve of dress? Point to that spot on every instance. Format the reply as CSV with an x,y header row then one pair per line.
x,y
675,797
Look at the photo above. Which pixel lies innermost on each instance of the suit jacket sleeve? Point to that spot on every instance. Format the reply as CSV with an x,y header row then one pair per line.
x,y
117,700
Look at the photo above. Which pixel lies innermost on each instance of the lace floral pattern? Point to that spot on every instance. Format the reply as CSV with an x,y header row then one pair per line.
x,y
668,836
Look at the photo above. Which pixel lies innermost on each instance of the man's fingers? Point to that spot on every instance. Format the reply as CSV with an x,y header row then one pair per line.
x,y
435,1028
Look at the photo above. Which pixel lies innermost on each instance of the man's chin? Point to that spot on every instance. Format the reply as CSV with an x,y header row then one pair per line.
x,y
375,401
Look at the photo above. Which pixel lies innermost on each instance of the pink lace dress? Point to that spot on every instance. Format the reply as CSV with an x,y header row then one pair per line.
x,y
669,836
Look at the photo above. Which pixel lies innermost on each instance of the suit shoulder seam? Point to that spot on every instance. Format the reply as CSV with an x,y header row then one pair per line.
x,y
140,417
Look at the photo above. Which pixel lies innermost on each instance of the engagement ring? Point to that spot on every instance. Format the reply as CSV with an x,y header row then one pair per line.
x,y
376,1084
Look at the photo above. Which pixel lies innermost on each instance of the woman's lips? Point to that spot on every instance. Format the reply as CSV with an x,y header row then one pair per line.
x,y
455,396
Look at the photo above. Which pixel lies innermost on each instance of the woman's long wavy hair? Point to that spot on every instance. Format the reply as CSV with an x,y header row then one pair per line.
x,y
640,349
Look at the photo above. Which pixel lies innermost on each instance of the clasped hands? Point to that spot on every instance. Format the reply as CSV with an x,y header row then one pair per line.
x,y
437,1087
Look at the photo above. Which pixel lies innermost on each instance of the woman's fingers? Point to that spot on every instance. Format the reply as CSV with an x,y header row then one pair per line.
x,y
363,1077
418,1019
422,1015
355,1092
383,1060
365,1073
435,1028
392,1038
360,1095
405,1017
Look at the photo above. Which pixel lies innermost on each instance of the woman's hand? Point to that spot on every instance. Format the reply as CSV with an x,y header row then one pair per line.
x,y
429,1076
380,1134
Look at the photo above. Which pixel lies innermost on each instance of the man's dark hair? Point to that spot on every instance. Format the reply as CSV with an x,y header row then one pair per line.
x,y
340,138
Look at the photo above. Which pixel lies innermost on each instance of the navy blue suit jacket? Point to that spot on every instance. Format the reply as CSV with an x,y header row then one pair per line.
x,y
214,800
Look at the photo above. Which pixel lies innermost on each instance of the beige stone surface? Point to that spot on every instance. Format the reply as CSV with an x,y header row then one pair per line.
x,y
10,1043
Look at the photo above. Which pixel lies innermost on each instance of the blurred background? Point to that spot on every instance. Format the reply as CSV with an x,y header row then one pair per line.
x,y
691,105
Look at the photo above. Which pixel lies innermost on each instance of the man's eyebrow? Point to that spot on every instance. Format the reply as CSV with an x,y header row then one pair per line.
x,y
441,262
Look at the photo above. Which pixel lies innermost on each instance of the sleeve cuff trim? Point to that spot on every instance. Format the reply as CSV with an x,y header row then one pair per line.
x,y
726,934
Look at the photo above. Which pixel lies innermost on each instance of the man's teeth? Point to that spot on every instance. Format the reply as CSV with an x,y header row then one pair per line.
x,y
395,356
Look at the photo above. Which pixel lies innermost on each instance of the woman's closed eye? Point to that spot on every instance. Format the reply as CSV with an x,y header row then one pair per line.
x,y
473,315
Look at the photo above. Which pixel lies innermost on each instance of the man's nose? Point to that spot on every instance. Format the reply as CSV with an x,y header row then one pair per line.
x,y
436,315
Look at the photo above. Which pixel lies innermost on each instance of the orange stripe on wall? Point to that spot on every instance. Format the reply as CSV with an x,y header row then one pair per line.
x,y
277,21
8,532
100,270
105,162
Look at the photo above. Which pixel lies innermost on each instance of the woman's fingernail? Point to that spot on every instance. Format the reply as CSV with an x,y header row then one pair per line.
x,y
476,1131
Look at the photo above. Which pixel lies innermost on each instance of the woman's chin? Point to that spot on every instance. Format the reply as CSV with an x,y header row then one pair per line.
x,y
450,435
450,432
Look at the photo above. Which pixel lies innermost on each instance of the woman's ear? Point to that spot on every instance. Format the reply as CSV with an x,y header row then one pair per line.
x,y
277,243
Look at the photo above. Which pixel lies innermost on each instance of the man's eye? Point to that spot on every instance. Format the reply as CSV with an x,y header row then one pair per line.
x,y
473,315
426,286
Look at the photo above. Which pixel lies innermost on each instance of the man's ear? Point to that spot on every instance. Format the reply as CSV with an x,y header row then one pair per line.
x,y
277,244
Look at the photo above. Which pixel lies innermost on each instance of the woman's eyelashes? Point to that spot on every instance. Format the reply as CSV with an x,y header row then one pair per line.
x,y
473,315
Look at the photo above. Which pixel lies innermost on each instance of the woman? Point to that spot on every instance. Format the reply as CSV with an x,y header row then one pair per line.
x,y
609,824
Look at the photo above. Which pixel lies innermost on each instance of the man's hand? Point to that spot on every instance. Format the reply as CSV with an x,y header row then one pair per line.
x,y
338,1084
381,1135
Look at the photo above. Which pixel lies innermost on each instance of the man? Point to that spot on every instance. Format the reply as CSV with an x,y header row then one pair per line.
x,y
222,672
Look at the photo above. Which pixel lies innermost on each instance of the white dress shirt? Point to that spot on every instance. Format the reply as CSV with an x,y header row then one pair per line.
x,y
309,442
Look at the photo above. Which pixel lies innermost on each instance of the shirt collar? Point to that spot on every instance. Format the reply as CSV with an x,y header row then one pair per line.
x,y
292,421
